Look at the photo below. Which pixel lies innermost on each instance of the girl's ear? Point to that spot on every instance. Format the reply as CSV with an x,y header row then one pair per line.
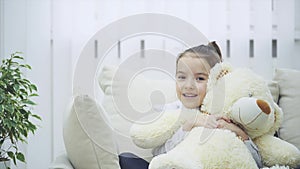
x,y
214,45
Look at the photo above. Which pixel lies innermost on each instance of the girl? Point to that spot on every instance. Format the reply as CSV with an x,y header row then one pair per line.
x,y
192,70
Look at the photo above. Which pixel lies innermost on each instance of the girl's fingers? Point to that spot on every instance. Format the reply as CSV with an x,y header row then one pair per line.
x,y
220,124
212,125
220,116
212,122
226,119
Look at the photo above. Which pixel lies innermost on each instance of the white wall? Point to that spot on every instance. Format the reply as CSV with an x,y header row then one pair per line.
x,y
26,28
52,33
38,53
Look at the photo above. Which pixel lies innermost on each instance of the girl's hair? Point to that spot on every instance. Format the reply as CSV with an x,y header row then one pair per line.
x,y
210,52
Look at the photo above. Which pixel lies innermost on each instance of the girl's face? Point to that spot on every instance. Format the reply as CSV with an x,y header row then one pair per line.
x,y
191,80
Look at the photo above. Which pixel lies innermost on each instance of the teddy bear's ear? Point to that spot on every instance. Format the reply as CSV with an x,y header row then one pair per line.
x,y
278,118
219,71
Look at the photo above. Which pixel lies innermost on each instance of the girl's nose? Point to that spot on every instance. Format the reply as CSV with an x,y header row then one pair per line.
x,y
189,84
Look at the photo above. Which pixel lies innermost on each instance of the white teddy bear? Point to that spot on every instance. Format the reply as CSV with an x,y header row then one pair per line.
x,y
242,96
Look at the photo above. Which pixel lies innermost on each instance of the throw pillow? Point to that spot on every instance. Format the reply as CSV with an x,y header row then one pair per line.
x,y
289,100
274,89
88,138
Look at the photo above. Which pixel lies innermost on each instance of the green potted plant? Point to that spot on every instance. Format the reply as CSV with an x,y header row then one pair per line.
x,y
16,104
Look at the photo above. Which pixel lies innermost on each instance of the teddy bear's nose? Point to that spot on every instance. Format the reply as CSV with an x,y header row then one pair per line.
x,y
264,106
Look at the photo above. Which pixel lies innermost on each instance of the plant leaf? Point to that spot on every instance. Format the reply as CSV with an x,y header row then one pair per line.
x,y
28,102
36,116
26,66
11,155
33,87
9,108
21,157
1,108
34,94
17,56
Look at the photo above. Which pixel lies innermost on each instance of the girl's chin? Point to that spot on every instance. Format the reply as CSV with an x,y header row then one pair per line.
x,y
191,106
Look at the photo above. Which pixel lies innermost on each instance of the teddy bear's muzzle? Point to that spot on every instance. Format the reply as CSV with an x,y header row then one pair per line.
x,y
252,113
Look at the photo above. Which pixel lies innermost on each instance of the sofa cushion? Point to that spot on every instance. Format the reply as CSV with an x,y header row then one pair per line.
x,y
274,89
88,139
289,100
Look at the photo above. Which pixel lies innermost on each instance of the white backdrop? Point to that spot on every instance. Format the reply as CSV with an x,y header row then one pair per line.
x,y
52,33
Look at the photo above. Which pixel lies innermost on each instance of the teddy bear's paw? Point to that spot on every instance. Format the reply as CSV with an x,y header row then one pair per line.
x,y
165,161
150,135
277,167
275,151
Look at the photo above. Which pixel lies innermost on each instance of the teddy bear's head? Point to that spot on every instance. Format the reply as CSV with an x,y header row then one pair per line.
x,y
244,97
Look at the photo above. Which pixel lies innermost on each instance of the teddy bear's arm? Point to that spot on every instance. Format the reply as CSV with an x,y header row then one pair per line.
x,y
178,136
275,151
157,132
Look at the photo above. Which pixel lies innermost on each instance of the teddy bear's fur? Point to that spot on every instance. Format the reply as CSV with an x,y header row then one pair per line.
x,y
239,83
219,148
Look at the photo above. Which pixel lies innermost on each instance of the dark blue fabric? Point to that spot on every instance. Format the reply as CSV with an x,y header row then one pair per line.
x,y
131,161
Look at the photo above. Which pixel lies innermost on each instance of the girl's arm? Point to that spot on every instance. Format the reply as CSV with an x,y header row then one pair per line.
x,y
254,151
204,120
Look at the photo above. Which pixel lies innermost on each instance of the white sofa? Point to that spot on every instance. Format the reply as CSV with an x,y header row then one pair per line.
x,y
95,133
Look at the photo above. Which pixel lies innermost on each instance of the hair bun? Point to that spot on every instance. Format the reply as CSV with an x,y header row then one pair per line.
x,y
215,46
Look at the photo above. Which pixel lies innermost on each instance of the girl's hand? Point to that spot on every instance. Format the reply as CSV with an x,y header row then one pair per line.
x,y
203,120
234,128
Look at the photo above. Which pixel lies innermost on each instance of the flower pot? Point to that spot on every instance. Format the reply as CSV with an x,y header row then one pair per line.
x,y
4,164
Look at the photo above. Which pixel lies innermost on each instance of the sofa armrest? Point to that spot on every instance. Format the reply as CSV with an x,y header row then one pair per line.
x,y
61,162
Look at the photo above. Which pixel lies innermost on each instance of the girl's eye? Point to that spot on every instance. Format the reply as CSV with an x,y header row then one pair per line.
x,y
180,77
200,78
